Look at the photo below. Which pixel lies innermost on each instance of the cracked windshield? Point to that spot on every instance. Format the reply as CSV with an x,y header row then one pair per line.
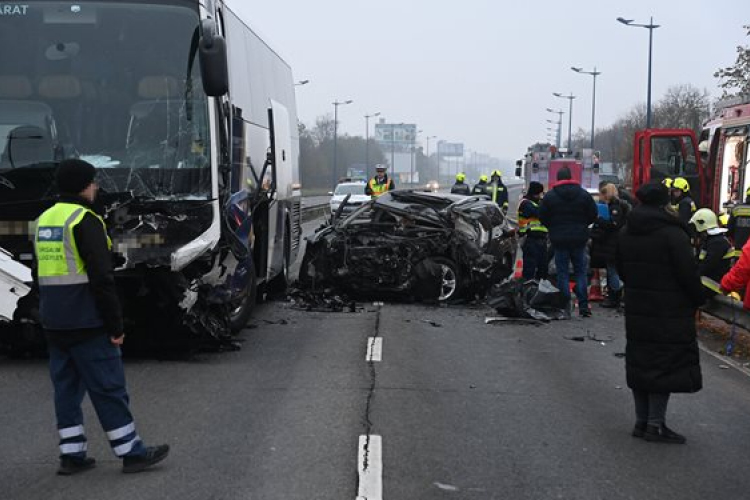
x,y
403,250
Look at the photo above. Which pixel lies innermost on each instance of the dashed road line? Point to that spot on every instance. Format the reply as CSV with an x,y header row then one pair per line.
x,y
370,468
374,349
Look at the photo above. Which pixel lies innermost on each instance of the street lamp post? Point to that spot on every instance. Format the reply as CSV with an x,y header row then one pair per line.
x,y
650,27
336,105
594,73
367,139
560,114
437,167
570,117
413,154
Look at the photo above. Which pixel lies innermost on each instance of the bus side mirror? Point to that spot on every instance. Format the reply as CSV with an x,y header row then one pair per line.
x,y
212,52
519,168
518,172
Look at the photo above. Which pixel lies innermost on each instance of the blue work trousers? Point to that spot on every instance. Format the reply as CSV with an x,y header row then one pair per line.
x,y
563,258
94,367
535,262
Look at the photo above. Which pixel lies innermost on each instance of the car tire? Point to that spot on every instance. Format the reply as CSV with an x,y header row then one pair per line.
x,y
239,317
451,287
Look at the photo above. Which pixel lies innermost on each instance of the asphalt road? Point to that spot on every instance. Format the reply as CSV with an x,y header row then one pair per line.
x,y
463,410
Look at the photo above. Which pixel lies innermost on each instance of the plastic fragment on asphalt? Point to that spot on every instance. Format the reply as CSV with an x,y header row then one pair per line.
x,y
432,323
505,319
619,355
446,487
724,367
577,338
618,387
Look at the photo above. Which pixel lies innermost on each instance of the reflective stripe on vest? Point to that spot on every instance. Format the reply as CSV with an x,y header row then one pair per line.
x,y
379,189
529,223
741,211
496,189
731,254
59,262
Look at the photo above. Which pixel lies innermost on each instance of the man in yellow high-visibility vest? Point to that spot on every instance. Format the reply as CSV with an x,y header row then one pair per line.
x,y
380,184
82,319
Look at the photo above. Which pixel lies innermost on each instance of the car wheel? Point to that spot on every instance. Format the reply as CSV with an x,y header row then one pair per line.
x,y
451,284
243,308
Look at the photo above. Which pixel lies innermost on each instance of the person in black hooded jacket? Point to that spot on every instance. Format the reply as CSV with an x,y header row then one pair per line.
x,y
663,291
567,211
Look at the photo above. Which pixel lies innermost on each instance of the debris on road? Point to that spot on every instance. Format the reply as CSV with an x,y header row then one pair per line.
x,y
516,321
724,367
326,300
432,323
619,355
413,246
539,300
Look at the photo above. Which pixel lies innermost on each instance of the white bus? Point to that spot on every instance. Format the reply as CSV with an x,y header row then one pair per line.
x,y
189,117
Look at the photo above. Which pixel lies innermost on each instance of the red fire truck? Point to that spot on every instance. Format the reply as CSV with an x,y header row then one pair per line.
x,y
715,165
542,162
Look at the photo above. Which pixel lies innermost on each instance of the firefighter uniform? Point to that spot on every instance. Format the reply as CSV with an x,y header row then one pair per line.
x,y
497,190
715,253
481,186
534,247
682,200
460,187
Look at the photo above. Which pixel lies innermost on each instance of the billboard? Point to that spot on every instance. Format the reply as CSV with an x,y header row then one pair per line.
x,y
395,136
450,148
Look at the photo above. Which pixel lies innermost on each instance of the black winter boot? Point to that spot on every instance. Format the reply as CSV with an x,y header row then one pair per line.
x,y
154,455
639,430
663,434
613,299
72,465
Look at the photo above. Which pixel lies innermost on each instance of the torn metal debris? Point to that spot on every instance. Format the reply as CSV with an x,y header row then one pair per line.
x,y
413,245
539,300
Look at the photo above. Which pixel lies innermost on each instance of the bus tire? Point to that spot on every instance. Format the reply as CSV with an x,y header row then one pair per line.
x,y
280,282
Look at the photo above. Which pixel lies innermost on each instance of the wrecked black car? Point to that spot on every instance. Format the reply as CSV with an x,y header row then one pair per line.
x,y
411,244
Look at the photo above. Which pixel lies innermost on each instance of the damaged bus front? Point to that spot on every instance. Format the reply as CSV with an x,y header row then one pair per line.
x,y
188,117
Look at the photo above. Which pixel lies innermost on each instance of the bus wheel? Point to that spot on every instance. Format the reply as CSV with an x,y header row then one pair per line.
x,y
242,309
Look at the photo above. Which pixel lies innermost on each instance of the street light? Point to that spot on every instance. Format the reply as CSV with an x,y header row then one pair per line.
x,y
336,105
367,139
570,118
594,73
560,114
650,27
301,82
413,154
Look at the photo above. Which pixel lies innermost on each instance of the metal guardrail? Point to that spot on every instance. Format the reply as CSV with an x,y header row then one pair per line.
x,y
728,310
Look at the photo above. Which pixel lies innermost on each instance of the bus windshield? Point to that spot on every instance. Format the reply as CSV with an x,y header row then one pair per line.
x,y
114,83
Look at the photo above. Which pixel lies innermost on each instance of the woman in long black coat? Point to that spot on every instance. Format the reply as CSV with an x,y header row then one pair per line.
x,y
662,293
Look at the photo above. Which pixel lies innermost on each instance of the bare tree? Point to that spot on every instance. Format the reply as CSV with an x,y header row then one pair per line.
x,y
735,79
683,106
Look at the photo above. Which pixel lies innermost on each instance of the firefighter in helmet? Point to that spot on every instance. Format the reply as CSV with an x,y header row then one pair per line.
x,y
497,190
739,222
682,200
481,186
715,252
460,187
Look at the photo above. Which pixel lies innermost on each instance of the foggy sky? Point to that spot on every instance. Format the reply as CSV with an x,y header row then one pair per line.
x,y
483,71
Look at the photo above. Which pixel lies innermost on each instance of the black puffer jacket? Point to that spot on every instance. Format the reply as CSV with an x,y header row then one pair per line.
x,y
604,234
567,211
662,292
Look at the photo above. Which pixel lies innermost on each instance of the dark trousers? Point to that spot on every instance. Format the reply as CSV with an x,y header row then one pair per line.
x,y
563,258
650,407
95,367
535,261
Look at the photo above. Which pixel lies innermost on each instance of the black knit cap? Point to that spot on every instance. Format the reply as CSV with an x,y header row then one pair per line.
x,y
535,188
73,176
654,194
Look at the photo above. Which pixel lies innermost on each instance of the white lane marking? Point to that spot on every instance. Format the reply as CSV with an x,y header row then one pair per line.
x,y
724,359
374,349
370,468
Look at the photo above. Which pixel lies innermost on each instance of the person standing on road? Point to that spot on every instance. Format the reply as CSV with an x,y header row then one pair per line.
x,y
380,183
460,187
481,186
81,316
682,200
567,211
534,234
663,291
604,241
715,252
497,190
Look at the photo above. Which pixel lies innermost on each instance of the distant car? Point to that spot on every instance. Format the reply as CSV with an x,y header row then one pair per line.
x,y
432,186
356,193
414,244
